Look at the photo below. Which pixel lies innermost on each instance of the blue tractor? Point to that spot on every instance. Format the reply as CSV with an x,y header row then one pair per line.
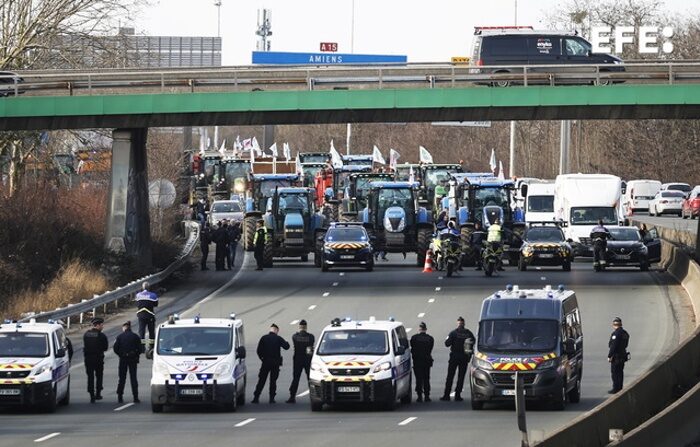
x,y
294,228
261,187
395,219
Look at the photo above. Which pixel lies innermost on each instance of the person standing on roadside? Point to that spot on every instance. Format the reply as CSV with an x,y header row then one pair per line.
x,y
95,344
421,351
270,353
146,301
303,342
204,241
220,238
128,348
234,235
259,243
617,354
461,344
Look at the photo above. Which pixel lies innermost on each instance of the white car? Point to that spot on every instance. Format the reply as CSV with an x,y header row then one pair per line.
x,y
684,187
231,210
667,202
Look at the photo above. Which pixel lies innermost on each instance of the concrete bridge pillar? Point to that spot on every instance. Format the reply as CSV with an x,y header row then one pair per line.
x,y
128,222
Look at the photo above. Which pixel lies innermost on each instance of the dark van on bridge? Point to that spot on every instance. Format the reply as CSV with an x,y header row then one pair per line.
x,y
536,333
517,46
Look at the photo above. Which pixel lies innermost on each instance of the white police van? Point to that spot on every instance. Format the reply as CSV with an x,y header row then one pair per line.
x,y
361,362
34,365
199,361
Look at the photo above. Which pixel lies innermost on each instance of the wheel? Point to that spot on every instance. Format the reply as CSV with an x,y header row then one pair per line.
x,y
156,408
405,400
450,269
305,258
488,268
464,234
521,265
66,399
598,268
644,266
348,217
249,224
575,394
501,84
324,267
267,255
559,402
240,399
477,405
680,214
51,404
318,252
391,404
603,82
566,266
316,406
229,407
370,267
423,242
683,215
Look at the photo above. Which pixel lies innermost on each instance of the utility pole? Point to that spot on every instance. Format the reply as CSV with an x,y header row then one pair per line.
x,y
263,32
217,3
565,142
348,132
511,164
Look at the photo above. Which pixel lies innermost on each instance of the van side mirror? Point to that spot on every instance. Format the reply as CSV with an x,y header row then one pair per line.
x,y
400,350
240,352
61,352
653,233
569,347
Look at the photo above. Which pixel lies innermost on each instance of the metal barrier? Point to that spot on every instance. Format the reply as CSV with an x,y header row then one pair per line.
x,y
129,290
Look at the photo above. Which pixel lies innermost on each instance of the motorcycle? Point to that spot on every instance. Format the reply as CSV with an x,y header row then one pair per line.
x,y
491,258
451,252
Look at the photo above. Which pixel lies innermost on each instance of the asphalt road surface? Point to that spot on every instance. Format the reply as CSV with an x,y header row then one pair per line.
x,y
669,221
291,291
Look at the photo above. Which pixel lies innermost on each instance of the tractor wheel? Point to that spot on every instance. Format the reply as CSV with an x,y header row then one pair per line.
x,y
348,217
422,245
249,232
267,255
464,234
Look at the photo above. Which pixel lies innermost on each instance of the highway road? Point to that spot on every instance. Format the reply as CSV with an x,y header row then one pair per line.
x,y
669,221
292,291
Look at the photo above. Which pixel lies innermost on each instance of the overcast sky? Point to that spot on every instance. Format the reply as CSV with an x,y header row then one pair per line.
x,y
431,31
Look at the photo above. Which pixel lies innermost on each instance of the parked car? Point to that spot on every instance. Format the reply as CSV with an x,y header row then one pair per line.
x,y
8,81
627,247
691,205
638,193
667,202
225,209
676,187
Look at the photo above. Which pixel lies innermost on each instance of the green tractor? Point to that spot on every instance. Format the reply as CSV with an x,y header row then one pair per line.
x,y
233,179
356,193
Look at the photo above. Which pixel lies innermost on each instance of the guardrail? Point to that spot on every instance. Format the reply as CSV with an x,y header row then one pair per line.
x,y
377,76
129,290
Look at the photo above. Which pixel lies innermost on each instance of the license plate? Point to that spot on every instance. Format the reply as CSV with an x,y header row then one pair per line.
x,y
546,255
622,256
192,392
508,392
10,392
348,389
347,257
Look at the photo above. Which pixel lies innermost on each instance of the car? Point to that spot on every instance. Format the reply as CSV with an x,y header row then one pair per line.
x,y
361,362
627,247
691,205
545,245
522,45
9,82
231,210
347,245
667,202
638,193
684,187
34,365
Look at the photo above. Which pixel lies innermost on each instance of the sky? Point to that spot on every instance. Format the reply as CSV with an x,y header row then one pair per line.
x,y
425,31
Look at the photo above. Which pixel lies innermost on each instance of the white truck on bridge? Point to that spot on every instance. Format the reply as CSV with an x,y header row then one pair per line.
x,y
580,200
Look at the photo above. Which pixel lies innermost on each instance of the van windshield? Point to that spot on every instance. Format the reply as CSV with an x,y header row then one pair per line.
x,y
590,215
354,342
540,204
24,344
194,341
518,335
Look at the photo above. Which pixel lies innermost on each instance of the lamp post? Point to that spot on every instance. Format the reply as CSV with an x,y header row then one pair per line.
x,y
217,3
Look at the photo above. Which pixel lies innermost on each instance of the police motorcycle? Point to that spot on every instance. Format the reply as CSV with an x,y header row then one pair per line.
x,y
600,246
491,257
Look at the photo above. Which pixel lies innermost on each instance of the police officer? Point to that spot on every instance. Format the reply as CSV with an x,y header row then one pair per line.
x,y
600,236
146,301
303,343
220,238
461,344
94,346
421,351
617,354
128,348
476,242
259,243
204,241
495,236
269,352
234,235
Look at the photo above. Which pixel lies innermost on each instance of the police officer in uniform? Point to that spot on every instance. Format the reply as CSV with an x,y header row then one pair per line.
x,y
204,242
146,301
476,242
617,354
269,352
421,351
128,348
461,344
303,343
259,243
94,346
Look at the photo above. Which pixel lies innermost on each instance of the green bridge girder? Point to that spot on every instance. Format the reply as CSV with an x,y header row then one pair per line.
x,y
628,101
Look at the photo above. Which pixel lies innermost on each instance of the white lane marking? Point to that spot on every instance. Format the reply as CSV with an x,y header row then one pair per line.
x,y
431,300
312,307
47,437
439,277
408,420
421,315
409,330
342,273
335,284
437,289
124,407
294,322
305,393
326,294
246,422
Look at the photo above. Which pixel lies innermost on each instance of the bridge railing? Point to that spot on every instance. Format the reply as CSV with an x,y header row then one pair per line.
x,y
329,77
127,291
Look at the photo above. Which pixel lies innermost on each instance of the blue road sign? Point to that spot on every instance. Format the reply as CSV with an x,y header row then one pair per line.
x,y
277,57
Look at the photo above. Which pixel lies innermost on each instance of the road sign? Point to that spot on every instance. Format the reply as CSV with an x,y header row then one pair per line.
x,y
282,58
460,60
329,46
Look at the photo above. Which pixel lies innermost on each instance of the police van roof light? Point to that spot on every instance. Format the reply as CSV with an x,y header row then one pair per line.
x,y
522,294
171,319
497,296
51,321
550,295
561,288
232,316
516,289
335,322
548,288
392,319
372,319
196,319
347,319
509,287
32,321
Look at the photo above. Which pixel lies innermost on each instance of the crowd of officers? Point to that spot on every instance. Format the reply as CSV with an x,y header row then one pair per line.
x,y
225,236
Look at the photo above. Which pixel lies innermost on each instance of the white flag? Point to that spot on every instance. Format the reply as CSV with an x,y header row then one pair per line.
x,y
411,175
393,159
237,146
298,165
252,154
377,156
256,147
286,151
273,150
247,145
222,149
501,174
425,156
492,162
336,159
202,145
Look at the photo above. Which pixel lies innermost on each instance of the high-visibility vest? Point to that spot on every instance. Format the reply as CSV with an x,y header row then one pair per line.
x,y
255,238
494,233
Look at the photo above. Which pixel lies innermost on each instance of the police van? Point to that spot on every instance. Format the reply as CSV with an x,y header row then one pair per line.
x,y
536,333
34,365
199,361
361,362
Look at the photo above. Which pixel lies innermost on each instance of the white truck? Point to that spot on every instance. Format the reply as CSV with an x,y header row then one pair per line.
x,y
539,202
638,194
580,200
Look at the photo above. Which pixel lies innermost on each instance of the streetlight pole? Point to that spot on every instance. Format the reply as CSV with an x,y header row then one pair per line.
x,y
352,50
217,3
511,161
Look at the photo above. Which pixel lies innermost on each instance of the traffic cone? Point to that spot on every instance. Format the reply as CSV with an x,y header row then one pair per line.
x,y
428,266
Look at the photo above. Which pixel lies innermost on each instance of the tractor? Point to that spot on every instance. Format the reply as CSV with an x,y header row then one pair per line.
x,y
396,221
314,157
309,171
355,194
358,160
294,228
431,177
403,172
260,188
330,188
233,179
